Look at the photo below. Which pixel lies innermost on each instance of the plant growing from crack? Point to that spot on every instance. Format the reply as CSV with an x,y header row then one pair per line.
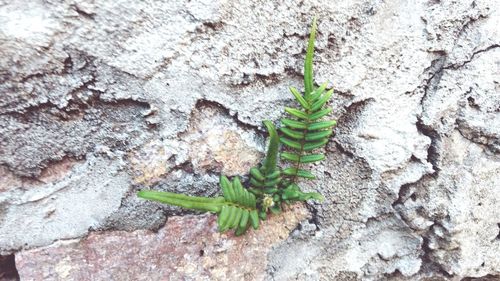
x,y
271,186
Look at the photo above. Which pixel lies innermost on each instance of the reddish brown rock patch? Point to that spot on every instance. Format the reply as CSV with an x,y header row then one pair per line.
x,y
187,247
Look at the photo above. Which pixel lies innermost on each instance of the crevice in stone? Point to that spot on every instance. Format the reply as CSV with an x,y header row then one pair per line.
x,y
293,73
498,236
32,76
75,111
395,275
47,167
428,264
315,219
346,94
343,150
433,153
403,194
489,277
200,103
72,106
186,166
347,122
456,66
82,13
435,71
269,79
75,107
478,136
353,110
471,20
68,64
8,270
214,26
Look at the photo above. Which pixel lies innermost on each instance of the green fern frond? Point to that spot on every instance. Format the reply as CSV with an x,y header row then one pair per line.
x,y
293,193
308,70
304,132
213,205
240,210
272,151
268,175
236,210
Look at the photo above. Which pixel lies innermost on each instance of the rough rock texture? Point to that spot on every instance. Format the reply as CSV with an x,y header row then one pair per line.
x,y
198,252
99,99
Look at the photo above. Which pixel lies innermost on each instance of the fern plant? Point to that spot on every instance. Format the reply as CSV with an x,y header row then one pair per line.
x,y
303,133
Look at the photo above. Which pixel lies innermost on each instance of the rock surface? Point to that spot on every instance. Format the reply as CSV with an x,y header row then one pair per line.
x,y
186,248
99,99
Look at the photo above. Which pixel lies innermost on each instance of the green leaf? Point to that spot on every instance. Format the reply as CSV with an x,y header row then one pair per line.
x,y
291,143
189,202
257,174
237,218
321,125
319,114
272,150
310,195
238,189
311,158
301,173
227,188
320,102
290,156
233,213
274,175
297,113
294,124
256,183
244,197
222,220
293,134
271,190
298,96
293,193
255,192
272,183
276,210
243,225
313,145
262,215
254,219
317,93
318,135
308,65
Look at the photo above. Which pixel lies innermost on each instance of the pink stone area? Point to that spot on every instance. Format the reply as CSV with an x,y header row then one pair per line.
x,y
186,248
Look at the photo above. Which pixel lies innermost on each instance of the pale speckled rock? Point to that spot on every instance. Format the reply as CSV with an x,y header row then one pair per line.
x,y
216,143
162,95
60,209
186,248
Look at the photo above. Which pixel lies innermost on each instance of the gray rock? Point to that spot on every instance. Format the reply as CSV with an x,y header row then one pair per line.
x,y
99,99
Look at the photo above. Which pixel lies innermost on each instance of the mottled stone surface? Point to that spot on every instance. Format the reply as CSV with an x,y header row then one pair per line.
x,y
186,248
99,99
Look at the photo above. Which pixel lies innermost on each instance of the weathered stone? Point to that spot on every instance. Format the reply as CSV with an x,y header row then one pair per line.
x,y
63,209
217,143
102,98
186,248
